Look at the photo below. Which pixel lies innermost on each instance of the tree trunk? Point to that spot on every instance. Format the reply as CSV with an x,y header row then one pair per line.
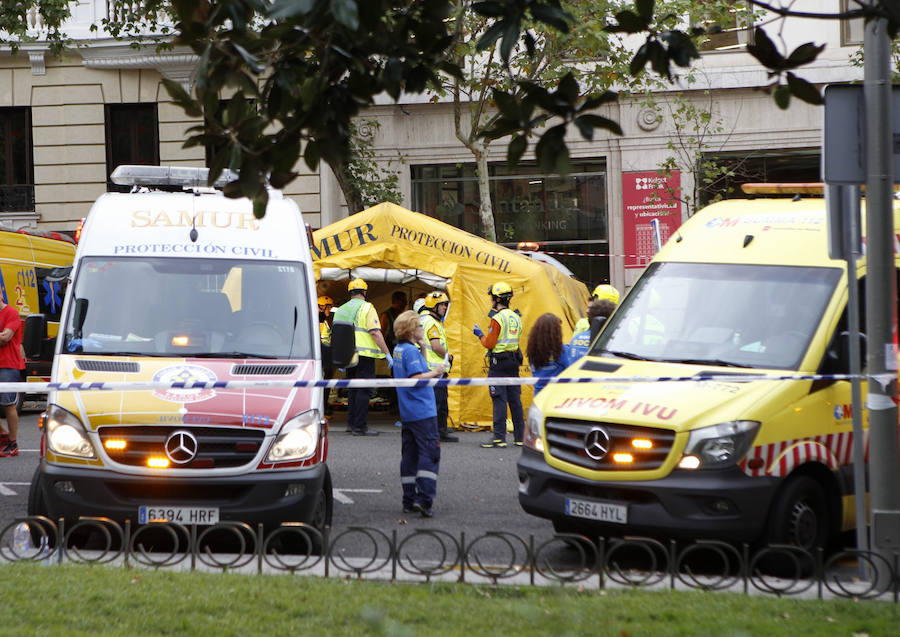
x,y
485,209
351,195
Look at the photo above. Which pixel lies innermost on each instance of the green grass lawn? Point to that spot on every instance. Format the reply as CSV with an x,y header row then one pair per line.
x,y
84,600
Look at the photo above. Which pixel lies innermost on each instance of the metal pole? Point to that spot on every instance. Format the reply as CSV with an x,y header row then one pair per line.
x,y
881,291
850,206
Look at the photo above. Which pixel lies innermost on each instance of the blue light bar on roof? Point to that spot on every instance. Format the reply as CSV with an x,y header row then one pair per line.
x,y
185,177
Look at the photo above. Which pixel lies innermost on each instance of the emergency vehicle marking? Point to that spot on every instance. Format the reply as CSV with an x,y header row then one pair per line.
x,y
780,458
198,219
618,404
184,374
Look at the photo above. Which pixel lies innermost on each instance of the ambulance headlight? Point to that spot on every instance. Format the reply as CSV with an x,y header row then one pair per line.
x,y
533,424
719,446
298,439
65,433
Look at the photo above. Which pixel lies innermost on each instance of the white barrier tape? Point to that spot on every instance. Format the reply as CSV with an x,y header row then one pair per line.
x,y
363,383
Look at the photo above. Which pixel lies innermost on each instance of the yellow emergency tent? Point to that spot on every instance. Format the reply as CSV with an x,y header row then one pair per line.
x,y
393,248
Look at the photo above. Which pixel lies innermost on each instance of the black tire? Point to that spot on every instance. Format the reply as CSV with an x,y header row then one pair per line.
x,y
798,517
36,506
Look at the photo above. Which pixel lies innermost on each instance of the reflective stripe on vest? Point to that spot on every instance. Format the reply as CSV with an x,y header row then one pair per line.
x,y
325,333
510,329
351,313
428,321
365,344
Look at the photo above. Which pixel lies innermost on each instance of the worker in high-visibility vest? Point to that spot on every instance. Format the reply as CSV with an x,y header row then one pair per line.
x,y
432,317
325,305
370,346
504,357
603,292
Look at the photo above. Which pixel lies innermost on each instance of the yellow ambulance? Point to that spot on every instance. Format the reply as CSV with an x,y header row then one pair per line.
x,y
175,283
744,287
34,270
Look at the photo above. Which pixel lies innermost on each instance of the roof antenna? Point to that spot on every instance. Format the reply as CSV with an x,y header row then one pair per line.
x,y
193,234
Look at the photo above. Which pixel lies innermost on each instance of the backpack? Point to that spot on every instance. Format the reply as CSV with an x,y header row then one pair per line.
x,y
343,333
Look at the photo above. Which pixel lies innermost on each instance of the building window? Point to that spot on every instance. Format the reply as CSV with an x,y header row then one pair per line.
x,y
734,32
782,166
564,214
852,31
16,162
132,137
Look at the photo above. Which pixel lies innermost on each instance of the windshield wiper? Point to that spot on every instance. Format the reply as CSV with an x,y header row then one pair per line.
x,y
116,353
708,361
628,355
229,355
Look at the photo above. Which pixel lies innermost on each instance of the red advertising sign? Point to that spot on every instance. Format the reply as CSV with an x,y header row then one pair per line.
x,y
648,196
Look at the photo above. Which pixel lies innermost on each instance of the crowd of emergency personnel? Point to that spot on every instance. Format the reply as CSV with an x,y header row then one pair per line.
x,y
414,345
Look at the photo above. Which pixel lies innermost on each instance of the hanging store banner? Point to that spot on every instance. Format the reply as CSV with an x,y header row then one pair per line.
x,y
651,211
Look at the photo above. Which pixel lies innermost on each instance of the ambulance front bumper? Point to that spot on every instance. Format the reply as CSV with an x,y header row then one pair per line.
x,y
723,504
268,497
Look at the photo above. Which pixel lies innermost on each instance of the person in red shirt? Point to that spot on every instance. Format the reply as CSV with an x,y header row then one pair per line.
x,y
11,365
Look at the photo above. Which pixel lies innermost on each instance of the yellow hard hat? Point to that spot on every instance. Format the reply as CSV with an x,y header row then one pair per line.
x,y
357,285
501,289
435,298
606,292
325,301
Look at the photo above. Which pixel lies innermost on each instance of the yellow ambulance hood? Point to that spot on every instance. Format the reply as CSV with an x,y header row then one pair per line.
x,y
675,405
259,408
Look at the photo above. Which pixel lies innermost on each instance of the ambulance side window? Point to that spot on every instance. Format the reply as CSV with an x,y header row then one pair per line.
x,y
51,289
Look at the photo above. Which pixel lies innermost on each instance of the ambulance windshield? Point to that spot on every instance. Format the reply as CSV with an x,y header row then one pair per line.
x,y
753,316
190,307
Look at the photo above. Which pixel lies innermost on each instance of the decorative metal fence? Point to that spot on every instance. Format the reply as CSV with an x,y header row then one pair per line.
x,y
428,555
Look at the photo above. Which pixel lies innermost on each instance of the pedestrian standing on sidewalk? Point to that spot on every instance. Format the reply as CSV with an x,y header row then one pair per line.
x,y
504,358
420,451
11,365
432,317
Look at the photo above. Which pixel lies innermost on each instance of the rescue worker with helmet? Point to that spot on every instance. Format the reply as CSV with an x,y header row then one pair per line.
x,y
603,292
325,305
370,346
504,357
432,316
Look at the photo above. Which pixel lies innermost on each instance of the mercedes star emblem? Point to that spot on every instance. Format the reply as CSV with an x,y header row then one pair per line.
x,y
181,447
597,443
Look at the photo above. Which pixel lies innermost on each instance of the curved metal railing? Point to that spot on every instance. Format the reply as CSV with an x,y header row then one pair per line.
x,y
427,555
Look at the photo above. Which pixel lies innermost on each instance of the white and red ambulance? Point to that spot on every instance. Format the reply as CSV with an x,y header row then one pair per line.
x,y
175,283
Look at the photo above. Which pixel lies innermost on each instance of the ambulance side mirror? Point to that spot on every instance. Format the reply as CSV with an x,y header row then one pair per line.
x,y
34,336
596,325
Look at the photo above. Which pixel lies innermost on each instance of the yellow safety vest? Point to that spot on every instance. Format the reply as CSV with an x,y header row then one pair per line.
x,y
365,344
325,333
428,321
510,330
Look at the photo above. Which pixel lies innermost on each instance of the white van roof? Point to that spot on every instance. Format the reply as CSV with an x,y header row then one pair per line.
x,y
156,223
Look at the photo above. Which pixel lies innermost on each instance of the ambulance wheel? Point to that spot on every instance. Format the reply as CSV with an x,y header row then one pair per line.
x,y
36,506
799,517
321,517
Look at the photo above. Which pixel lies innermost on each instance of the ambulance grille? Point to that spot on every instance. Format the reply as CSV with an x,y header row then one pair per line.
x,y
217,447
568,440
262,370
122,367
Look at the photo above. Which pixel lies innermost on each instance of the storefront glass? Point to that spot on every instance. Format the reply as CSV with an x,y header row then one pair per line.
x,y
564,214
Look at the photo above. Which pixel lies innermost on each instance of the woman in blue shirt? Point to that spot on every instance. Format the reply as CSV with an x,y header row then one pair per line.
x,y
420,449
547,354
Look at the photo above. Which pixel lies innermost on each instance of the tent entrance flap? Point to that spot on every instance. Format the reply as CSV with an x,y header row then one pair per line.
x,y
397,276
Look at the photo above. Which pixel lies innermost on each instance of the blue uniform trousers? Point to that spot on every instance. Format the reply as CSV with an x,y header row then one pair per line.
x,y
506,395
420,458
358,399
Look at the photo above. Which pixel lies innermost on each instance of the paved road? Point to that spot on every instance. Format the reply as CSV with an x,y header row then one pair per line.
x,y
477,488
